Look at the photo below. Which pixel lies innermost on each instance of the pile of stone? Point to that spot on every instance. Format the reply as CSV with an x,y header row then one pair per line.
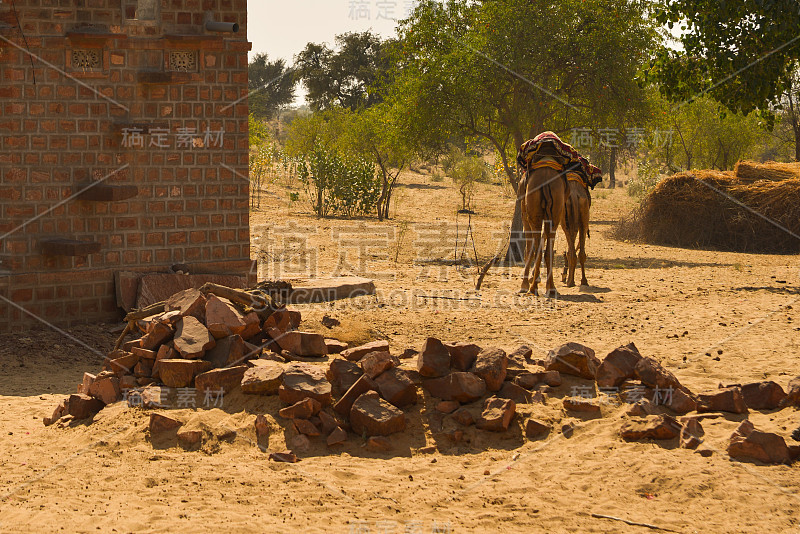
x,y
330,391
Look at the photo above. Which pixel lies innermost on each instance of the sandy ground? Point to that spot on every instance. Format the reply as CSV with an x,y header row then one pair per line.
x,y
710,317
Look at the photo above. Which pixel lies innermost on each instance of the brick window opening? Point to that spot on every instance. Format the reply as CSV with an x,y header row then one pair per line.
x,y
183,61
87,60
141,10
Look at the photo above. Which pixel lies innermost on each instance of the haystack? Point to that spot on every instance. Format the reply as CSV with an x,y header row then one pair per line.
x,y
711,209
750,171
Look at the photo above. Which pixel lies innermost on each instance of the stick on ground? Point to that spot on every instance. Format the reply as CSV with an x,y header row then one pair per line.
x,y
633,523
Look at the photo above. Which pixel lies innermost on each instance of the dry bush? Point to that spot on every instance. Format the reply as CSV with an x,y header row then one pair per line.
x,y
750,171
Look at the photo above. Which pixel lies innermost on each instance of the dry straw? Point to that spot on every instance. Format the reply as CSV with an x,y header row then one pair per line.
x,y
693,209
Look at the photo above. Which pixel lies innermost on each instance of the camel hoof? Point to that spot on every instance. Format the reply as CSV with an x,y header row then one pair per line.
x,y
552,294
584,282
571,284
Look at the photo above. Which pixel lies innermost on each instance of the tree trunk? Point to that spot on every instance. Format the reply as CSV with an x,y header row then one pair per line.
x,y
797,144
612,169
516,243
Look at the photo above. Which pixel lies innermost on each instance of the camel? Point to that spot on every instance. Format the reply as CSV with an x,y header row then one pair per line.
x,y
575,224
542,197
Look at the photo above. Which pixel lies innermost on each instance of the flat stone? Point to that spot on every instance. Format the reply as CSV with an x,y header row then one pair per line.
x,y
448,406
228,351
159,333
523,352
361,386
356,353
535,428
126,287
303,380
306,427
396,387
262,428
144,368
189,302
653,374
190,439
106,389
342,374
336,437
462,355
573,359
373,416
651,427
530,380
514,392
497,414
766,395
330,289
618,366
793,392
458,386
767,447
463,417
434,359
82,406
303,343
691,433
301,410
335,346
88,378
379,444
282,321
578,404
192,339
180,373
123,365
60,411
222,315
728,399
160,423
375,363
226,379
144,354
285,457
263,379
159,287
491,365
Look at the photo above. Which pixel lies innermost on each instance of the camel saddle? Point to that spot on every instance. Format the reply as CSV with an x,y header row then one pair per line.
x,y
548,146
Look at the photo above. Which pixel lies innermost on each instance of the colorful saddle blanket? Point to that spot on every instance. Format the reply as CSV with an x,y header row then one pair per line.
x,y
549,141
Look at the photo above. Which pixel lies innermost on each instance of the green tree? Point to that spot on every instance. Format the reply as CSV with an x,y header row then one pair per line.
x,y
349,76
271,85
502,71
740,52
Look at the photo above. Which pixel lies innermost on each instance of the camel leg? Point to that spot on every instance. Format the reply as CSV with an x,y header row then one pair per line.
x,y
572,259
548,258
526,235
536,255
566,267
582,256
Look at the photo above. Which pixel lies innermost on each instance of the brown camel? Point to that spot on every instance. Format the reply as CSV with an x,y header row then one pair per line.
x,y
575,224
542,197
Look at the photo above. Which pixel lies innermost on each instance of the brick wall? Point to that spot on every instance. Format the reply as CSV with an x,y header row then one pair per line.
x,y
134,103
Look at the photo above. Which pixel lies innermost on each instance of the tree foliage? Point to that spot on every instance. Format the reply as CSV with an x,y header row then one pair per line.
x,y
271,85
740,52
349,76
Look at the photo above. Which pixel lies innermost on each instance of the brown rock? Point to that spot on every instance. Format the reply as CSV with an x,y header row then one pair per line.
x,y
524,352
373,416
374,363
252,326
793,392
302,380
497,414
491,365
123,365
336,437
462,355
228,351
529,380
573,359
434,359
650,427
335,346
680,402
158,333
302,409
189,302
106,389
83,387
151,397
286,457
728,399
459,386
396,387
60,411
361,386
653,374
262,429
222,316
190,439
379,444
263,379
408,354
226,379
144,353
749,443
165,352
83,406
691,433
192,339
535,428
306,427
144,368
327,422
642,408
160,423
128,382
144,381
342,374
447,406
514,392
618,366
357,353
579,404
303,343
282,321
765,395
180,373
463,416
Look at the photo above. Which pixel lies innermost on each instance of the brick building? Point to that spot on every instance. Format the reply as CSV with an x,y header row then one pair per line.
x,y
123,147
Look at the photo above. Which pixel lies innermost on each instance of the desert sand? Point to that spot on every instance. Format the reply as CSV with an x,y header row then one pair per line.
x,y
710,317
